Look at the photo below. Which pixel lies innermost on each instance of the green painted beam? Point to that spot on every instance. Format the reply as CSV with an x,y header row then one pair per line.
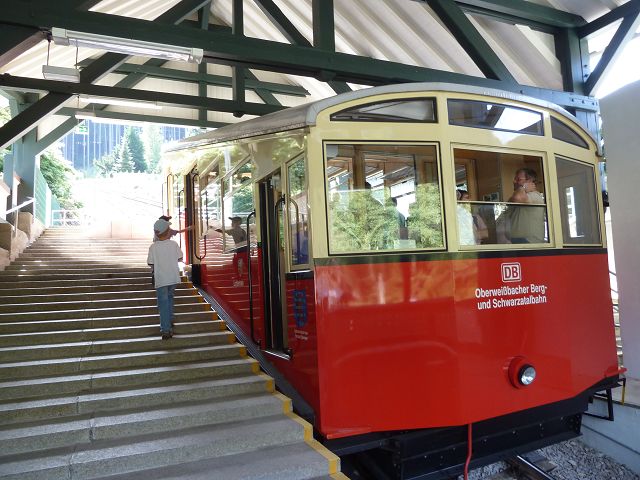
x,y
237,71
324,36
31,117
210,79
470,39
632,7
291,33
625,32
569,50
526,12
162,98
15,40
136,117
203,18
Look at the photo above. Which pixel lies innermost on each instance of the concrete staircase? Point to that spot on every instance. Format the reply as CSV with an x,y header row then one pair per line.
x,y
89,390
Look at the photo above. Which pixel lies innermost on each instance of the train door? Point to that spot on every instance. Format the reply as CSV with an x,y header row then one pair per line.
x,y
272,216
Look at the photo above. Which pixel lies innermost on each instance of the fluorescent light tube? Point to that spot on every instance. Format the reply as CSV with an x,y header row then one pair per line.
x,y
127,46
64,74
85,115
121,102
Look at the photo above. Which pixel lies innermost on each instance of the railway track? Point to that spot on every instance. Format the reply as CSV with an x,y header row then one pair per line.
x,y
528,469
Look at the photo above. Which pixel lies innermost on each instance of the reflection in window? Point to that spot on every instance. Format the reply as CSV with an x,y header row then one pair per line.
x,y
383,197
413,110
563,132
237,205
211,201
468,113
298,213
500,198
578,205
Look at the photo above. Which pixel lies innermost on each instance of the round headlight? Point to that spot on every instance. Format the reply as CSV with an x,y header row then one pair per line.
x,y
527,375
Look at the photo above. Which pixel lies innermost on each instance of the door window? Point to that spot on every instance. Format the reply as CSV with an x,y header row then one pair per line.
x,y
298,213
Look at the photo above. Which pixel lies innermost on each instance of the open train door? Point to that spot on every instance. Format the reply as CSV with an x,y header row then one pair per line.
x,y
272,212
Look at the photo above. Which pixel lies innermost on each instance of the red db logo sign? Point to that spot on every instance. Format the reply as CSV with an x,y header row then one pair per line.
x,y
511,272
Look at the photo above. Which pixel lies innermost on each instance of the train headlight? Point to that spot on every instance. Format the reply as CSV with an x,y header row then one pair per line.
x,y
521,372
527,375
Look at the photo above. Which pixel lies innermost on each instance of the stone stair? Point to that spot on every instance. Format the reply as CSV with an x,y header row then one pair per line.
x,y
89,390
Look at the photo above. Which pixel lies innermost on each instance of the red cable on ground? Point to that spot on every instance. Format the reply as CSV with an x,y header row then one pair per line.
x,y
469,452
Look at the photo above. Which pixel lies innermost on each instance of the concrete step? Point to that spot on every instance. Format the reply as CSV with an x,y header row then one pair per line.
x,y
115,400
101,363
84,302
149,329
181,295
83,429
182,339
16,286
46,314
83,287
290,462
69,269
116,457
93,276
49,262
75,384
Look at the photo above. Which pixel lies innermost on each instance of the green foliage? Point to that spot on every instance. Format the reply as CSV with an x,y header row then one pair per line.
x,y
425,217
58,177
5,116
360,222
136,149
243,200
153,147
106,166
124,159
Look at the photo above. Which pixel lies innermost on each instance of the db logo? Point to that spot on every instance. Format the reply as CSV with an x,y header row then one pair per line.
x,y
511,272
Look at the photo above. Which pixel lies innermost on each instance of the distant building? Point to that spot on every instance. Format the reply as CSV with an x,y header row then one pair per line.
x,y
91,141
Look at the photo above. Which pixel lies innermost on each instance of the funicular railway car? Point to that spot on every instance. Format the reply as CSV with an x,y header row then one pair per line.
x,y
424,263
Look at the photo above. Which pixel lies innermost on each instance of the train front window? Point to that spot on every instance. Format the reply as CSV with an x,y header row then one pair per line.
x,y
578,205
500,198
383,198
493,116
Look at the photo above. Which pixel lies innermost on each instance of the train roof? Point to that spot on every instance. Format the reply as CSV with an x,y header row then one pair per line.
x,y
307,114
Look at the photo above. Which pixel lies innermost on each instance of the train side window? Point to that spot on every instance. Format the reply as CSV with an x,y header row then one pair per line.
x,y
405,110
237,205
565,133
383,198
493,116
298,213
500,198
211,201
578,203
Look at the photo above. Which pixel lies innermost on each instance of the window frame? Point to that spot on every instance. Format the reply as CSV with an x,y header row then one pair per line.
x,y
598,204
506,105
549,203
227,178
438,164
433,99
290,266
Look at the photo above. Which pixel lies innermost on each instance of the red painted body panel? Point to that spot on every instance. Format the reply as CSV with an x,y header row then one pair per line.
x,y
405,345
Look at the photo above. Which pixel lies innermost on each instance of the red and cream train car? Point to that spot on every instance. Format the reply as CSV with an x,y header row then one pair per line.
x,y
381,262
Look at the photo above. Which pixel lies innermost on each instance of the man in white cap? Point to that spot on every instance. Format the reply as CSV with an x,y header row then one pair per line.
x,y
163,258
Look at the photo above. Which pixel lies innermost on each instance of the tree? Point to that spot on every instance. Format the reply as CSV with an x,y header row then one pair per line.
x,y
106,166
124,159
58,177
136,148
153,147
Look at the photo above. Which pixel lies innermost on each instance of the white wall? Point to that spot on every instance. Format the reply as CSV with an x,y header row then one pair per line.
x,y
621,124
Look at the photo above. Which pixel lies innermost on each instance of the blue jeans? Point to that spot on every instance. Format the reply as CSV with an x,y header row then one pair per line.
x,y
165,306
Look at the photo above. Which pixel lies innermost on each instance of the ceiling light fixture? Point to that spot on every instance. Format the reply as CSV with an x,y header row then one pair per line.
x,y
127,46
62,74
121,102
85,115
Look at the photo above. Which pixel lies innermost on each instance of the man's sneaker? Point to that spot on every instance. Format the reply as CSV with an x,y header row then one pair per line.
x,y
166,335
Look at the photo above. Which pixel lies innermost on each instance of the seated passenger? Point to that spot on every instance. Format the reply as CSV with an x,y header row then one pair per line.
x,y
527,222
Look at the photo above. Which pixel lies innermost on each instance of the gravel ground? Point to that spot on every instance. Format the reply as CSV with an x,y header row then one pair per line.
x,y
574,460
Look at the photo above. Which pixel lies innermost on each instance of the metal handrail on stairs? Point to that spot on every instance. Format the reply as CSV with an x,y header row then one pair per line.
x,y
15,210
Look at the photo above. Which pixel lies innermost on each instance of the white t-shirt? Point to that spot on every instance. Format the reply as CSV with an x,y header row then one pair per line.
x,y
164,255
